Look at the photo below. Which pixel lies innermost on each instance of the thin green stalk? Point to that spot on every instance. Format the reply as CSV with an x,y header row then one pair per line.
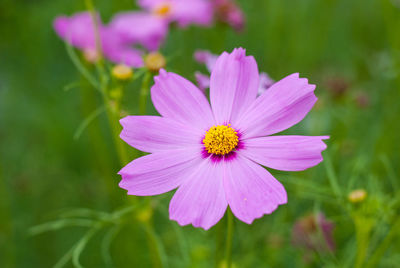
x,y
333,179
229,239
219,243
363,232
380,251
154,244
113,119
157,253
90,7
113,114
144,92
112,109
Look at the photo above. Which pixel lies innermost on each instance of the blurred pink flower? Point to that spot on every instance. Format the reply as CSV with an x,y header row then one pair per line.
x,y
184,12
314,232
209,59
203,81
229,12
79,31
141,28
265,83
213,153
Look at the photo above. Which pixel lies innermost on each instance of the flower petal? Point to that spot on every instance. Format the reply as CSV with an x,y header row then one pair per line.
x,y
265,83
153,133
207,58
200,200
121,54
192,12
289,153
251,190
78,30
203,81
159,172
140,27
234,85
177,98
283,105
149,4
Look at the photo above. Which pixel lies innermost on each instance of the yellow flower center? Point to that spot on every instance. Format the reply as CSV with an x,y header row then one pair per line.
x,y
221,140
162,10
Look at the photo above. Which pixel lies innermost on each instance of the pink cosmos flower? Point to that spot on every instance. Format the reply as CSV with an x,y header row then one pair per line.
x,y
79,31
141,28
213,153
229,12
209,59
184,12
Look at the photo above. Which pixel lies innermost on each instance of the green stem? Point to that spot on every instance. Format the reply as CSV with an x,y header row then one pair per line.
x,y
144,92
363,229
93,14
155,246
219,243
380,251
229,239
112,108
154,243
113,115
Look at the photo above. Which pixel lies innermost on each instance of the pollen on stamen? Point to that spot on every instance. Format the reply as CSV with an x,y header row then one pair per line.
x,y
162,10
221,140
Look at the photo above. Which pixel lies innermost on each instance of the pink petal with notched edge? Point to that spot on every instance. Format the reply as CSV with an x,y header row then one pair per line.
x,y
283,105
251,191
200,200
234,85
140,27
153,133
289,153
159,172
177,98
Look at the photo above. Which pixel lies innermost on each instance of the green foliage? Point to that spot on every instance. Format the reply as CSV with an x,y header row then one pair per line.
x,y
45,168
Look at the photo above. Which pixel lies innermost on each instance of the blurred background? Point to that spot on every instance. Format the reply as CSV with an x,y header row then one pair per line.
x,y
349,49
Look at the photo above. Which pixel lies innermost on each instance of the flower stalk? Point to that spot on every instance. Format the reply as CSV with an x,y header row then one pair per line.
x,y
144,92
229,239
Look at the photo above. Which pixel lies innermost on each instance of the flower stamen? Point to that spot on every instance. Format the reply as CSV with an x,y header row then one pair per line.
x,y
221,140
162,10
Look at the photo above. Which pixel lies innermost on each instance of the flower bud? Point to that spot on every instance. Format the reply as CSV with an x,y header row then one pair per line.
x,y
91,55
357,196
154,61
116,93
122,72
145,214
314,232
